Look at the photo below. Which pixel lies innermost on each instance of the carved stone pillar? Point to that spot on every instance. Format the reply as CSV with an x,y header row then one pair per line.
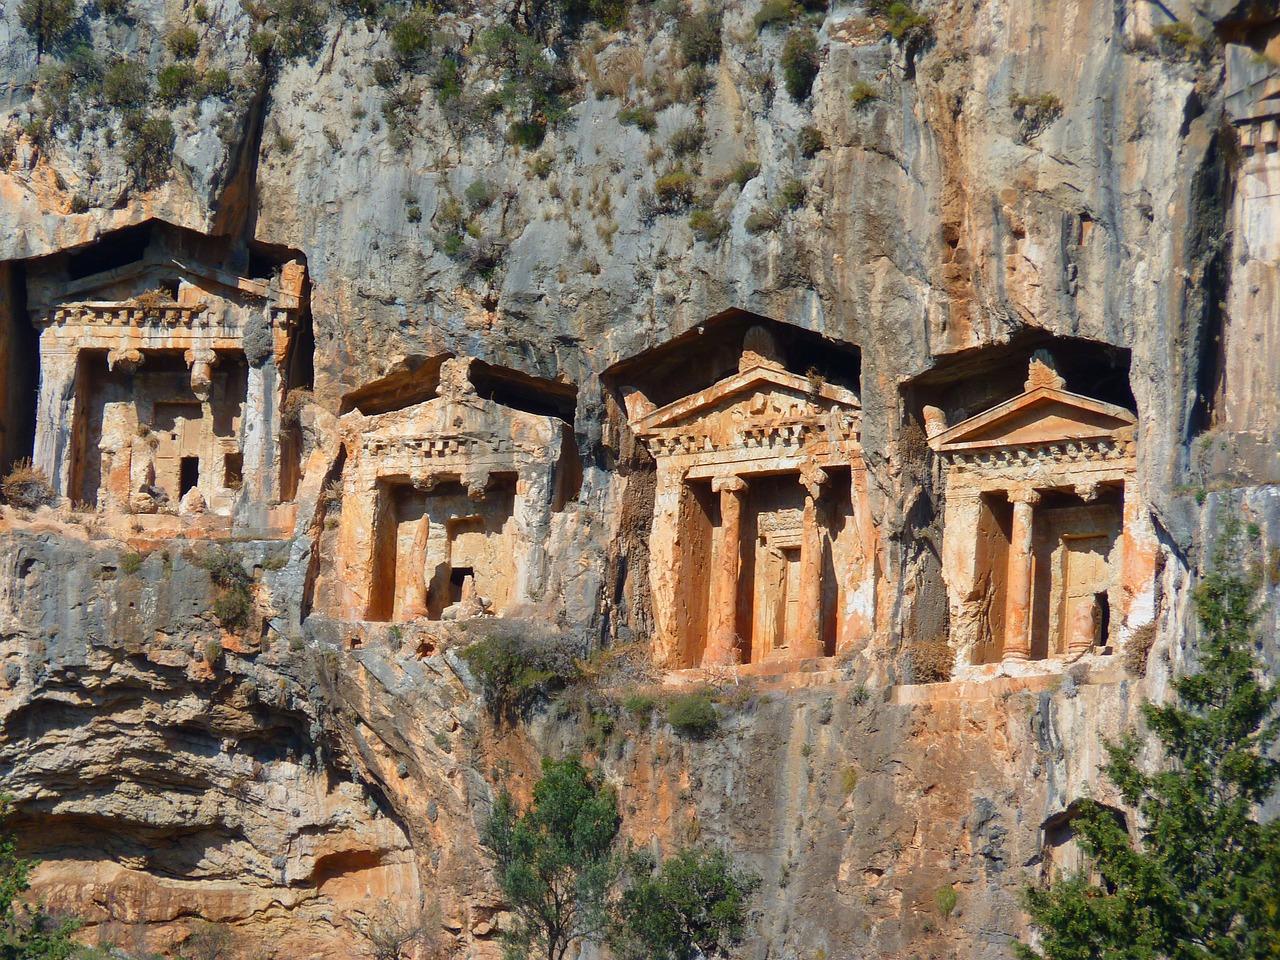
x,y
1017,616
722,635
808,639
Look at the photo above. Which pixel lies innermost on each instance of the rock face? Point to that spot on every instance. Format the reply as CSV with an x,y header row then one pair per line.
x,y
903,410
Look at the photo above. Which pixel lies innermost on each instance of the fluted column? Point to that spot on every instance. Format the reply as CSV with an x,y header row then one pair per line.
x,y
808,639
722,640
1017,615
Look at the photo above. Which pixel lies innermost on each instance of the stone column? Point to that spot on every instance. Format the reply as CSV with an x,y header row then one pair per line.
x,y
55,411
808,639
722,639
1017,616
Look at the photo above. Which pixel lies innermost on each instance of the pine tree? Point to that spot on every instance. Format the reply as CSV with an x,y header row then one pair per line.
x,y
557,862
1203,881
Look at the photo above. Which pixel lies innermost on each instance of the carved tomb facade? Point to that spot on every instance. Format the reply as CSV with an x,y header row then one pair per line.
x,y
761,547
446,508
1048,552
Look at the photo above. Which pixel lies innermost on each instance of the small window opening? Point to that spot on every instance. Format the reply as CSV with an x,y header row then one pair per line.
x,y
170,287
1104,617
188,475
233,470
457,577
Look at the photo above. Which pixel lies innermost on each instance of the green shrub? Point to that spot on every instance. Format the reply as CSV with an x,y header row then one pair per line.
x,y
233,606
183,42
639,705
698,36
517,671
446,79
177,82
904,23
130,563
148,148
800,63
413,213
215,83
641,117
675,189
299,26
945,900
481,194
386,73
688,140
212,651
693,715
810,141
759,221
528,134
125,84
200,10
792,194
114,8
776,11
411,36
48,21
262,44
533,87
862,94
707,225
1179,39
743,172
849,780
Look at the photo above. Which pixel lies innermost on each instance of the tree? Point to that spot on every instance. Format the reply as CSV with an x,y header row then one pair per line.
x,y
26,932
47,20
694,905
1202,882
556,861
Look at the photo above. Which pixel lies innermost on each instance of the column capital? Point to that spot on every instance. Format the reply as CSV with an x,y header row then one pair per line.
x,y
812,477
733,484
1027,495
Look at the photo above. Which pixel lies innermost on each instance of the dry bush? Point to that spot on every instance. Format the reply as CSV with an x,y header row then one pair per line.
x,y
930,660
26,487
1138,649
391,932
294,401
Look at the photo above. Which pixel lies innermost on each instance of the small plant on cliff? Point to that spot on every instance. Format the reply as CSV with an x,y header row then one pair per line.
x,y
48,21
800,63
388,932
1035,113
148,148
1179,39
862,94
516,671
26,931
904,22
557,861
233,606
694,905
945,900
693,715
698,36
1202,880
26,487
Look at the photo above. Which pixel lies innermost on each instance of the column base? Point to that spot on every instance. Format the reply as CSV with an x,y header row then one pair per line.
x,y
1015,656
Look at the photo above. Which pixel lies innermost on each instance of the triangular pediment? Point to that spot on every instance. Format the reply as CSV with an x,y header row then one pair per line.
x,y
1041,415
763,379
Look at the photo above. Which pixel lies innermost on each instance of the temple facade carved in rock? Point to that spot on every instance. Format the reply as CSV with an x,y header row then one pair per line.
x,y
762,549
1048,552
160,386
446,508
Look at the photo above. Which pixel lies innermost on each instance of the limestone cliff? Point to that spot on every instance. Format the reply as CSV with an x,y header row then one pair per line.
x,y
210,705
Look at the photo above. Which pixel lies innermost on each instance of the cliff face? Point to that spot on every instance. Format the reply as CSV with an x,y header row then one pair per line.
x,y
1076,177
